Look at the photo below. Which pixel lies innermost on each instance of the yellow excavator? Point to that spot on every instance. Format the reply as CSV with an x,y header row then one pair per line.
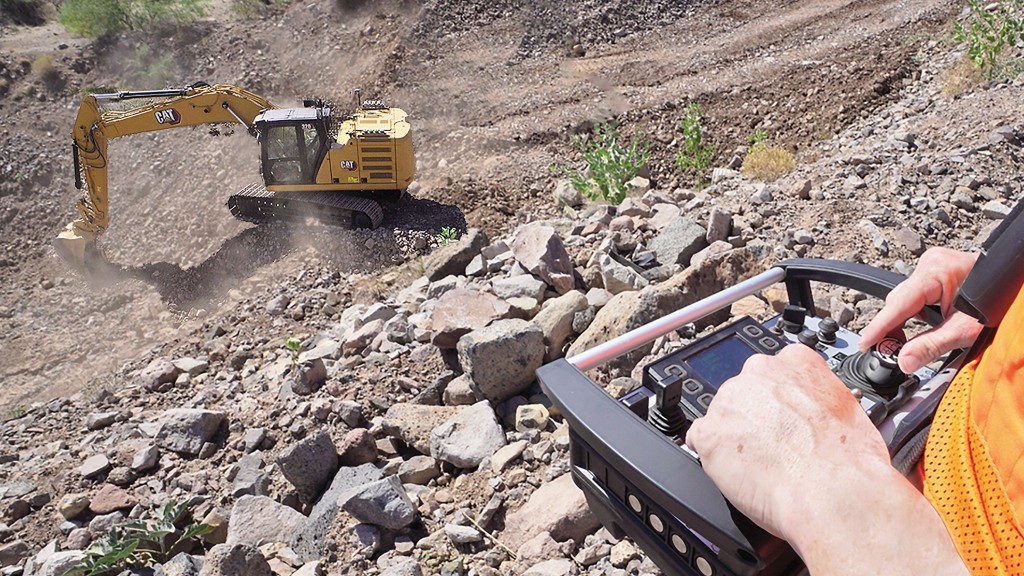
x,y
314,165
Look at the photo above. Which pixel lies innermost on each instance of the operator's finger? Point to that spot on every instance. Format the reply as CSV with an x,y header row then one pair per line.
x,y
696,436
902,304
957,331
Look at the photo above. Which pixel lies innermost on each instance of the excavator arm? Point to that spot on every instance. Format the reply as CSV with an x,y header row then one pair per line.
x,y
195,104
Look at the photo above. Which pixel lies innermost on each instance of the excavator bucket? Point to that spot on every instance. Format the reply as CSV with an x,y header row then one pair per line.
x,y
79,251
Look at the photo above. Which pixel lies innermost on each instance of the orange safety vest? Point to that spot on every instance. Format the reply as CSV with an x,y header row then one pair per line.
x,y
974,457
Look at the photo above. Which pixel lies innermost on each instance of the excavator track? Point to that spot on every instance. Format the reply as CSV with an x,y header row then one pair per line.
x,y
256,204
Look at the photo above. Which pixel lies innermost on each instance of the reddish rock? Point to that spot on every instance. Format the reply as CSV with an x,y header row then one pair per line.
x,y
109,499
458,312
358,447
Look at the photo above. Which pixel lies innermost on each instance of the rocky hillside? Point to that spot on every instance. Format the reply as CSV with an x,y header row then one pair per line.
x,y
407,434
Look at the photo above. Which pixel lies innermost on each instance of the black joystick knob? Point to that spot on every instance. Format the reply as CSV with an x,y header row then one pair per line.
x,y
792,320
808,338
667,414
880,365
827,329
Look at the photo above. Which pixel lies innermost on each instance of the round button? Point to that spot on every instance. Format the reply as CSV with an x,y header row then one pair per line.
x,y
634,503
656,523
704,566
679,544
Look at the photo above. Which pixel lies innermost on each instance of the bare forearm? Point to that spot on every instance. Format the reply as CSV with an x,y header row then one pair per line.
x,y
878,523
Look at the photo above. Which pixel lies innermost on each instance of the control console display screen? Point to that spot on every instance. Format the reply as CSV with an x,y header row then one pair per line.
x,y
721,361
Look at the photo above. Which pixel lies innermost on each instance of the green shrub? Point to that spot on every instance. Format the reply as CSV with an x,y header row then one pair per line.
x,y
97,18
139,542
610,165
695,157
988,30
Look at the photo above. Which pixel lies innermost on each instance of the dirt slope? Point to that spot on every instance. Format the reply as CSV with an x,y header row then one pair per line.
x,y
494,89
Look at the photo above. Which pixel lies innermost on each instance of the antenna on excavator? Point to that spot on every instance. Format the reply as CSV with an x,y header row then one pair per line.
x,y
359,104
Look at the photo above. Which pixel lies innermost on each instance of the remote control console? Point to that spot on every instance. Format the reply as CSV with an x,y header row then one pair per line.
x,y
628,454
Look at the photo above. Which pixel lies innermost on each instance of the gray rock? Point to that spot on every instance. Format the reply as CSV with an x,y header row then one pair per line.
x,y
310,539
384,503
58,563
250,478
183,565
278,305
400,566
95,465
100,420
468,438
452,259
362,337
678,241
501,358
522,286
557,507
566,194
158,375
556,321
309,377
235,560
555,567
326,348
13,553
462,534
719,225
309,464
185,430
460,311
145,458
539,249
619,275
995,210
258,520
191,366
419,469
412,423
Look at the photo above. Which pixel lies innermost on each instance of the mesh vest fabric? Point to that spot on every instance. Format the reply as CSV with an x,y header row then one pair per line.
x,y
973,465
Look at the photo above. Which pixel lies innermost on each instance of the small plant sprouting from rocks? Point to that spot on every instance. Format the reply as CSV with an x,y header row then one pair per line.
x,y
447,235
765,162
293,345
988,30
695,157
610,165
140,542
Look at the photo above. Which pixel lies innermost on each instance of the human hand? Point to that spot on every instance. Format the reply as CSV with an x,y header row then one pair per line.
x,y
935,280
779,438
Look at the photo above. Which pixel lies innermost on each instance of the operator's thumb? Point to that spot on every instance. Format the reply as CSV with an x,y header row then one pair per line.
x,y
957,331
695,435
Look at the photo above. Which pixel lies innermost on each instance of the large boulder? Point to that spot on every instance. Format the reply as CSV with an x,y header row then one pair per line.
x,y
555,321
540,250
185,430
501,358
558,507
469,437
678,241
451,260
309,464
460,311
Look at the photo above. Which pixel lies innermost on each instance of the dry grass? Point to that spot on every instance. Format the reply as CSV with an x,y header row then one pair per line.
x,y
767,163
962,77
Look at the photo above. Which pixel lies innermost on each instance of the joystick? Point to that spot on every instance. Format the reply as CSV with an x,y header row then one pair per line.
x,y
792,319
666,415
827,329
876,370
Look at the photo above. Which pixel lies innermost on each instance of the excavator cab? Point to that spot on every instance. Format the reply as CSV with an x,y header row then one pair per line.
x,y
294,142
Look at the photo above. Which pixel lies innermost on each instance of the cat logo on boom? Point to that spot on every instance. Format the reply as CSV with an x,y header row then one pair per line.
x,y
169,116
